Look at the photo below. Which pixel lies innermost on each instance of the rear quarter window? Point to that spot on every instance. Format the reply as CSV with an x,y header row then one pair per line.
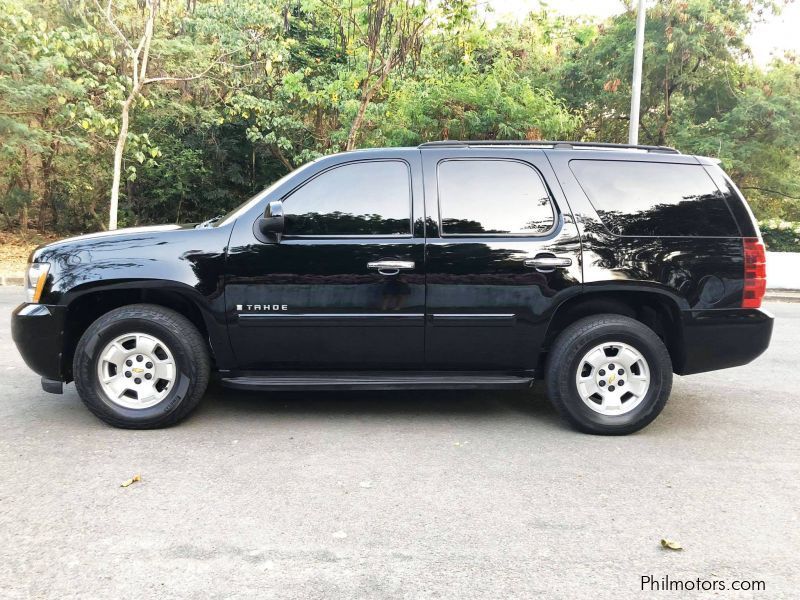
x,y
655,199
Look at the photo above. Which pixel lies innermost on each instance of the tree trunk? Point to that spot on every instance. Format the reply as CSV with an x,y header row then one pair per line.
x,y
278,153
366,98
662,131
118,150
139,72
356,126
48,182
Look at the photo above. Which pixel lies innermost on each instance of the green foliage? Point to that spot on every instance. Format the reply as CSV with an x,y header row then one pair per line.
x,y
285,81
758,141
470,104
780,236
48,124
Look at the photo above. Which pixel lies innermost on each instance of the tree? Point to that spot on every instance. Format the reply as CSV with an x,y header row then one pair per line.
x,y
52,75
691,46
139,62
139,57
757,139
389,31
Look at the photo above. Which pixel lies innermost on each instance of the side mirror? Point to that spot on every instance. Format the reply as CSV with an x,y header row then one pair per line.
x,y
272,223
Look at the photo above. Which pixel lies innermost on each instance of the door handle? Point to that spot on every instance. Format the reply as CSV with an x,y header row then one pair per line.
x,y
391,267
547,263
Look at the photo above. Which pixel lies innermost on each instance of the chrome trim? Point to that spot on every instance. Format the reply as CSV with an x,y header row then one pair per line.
x,y
474,315
267,315
548,262
35,310
391,264
473,319
370,236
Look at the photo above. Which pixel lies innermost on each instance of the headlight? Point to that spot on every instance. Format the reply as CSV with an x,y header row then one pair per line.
x,y
34,280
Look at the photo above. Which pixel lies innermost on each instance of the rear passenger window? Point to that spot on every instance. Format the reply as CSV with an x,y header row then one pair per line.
x,y
492,197
658,199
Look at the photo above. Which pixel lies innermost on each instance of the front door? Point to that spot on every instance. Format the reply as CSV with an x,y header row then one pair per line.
x,y
344,287
502,252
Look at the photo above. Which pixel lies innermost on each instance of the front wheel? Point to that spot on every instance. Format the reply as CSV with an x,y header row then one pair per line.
x,y
141,367
609,375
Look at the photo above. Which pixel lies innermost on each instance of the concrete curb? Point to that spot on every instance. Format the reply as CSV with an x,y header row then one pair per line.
x,y
783,295
12,279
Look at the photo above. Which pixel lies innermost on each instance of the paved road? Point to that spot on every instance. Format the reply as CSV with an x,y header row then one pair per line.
x,y
390,495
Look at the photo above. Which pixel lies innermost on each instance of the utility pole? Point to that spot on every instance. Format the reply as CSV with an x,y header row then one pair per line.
x,y
633,132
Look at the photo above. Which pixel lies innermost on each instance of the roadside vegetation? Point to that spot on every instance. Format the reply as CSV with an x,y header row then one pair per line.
x,y
206,102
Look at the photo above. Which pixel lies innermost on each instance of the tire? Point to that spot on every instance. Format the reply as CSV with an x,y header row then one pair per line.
x,y
586,345
154,341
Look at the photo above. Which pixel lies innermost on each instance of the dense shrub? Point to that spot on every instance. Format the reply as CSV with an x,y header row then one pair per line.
x,y
780,236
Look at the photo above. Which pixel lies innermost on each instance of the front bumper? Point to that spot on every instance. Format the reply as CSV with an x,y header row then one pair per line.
x,y
718,339
38,332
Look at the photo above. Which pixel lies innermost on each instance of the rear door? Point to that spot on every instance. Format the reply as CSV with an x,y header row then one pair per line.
x,y
502,252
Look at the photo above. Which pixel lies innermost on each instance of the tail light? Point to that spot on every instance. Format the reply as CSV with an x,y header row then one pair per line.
x,y
755,273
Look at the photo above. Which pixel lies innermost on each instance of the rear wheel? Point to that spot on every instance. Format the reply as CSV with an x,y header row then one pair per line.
x,y
141,367
609,374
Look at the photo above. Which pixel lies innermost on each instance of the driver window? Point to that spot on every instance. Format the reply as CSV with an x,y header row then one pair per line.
x,y
362,198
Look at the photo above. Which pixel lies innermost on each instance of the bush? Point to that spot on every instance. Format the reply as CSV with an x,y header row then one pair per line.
x,y
780,236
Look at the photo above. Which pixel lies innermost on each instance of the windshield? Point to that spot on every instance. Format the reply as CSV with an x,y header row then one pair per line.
x,y
248,204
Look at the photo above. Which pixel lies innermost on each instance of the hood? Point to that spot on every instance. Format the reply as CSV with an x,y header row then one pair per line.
x,y
148,235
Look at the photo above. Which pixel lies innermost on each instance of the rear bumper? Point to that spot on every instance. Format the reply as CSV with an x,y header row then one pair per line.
x,y
38,332
719,339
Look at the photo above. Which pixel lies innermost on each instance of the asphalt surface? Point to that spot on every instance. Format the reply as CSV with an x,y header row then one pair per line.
x,y
402,495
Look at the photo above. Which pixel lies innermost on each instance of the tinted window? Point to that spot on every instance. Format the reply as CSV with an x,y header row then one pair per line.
x,y
736,203
492,197
365,198
641,198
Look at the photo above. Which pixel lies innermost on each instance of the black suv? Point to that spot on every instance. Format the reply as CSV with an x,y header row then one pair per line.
x,y
599,268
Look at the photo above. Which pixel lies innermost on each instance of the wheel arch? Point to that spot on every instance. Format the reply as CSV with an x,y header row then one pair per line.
x,y
86,306
658,311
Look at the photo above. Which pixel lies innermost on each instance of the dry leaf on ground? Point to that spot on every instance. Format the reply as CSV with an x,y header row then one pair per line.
x,y
670,544
131,481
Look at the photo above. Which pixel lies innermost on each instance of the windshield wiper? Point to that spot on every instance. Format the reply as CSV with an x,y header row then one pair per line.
x,y
209,222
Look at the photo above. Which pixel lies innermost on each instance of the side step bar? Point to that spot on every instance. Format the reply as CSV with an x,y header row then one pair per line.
x,y
384,380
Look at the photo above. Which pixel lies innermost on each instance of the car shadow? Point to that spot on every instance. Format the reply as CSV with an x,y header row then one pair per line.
x,y
224,405
228,402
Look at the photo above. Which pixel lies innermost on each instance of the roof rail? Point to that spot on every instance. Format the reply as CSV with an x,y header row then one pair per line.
x,y
556,145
